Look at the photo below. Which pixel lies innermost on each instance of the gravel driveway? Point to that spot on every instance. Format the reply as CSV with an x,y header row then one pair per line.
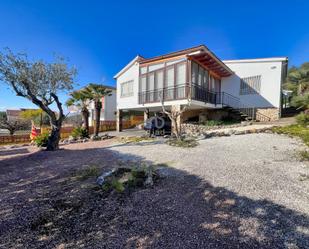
x,y
229,192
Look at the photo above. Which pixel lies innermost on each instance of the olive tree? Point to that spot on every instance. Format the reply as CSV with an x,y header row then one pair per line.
x,y
41,83
13,125
175,113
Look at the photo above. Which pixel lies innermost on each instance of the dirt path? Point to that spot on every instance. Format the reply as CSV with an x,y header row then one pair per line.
x,y
232,192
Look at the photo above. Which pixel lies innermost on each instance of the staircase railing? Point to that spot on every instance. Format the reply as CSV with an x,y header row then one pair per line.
x,y
244,108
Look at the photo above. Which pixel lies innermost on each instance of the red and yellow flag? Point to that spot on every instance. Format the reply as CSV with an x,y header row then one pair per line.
x,y
33,133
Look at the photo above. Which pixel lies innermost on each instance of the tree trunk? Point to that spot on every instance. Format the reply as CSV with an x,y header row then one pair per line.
x,y
175,128
97,106
54,137
85,114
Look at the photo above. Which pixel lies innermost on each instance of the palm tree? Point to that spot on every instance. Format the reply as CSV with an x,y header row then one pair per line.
x,y
95,93
80,99
298,82
302,101
298,79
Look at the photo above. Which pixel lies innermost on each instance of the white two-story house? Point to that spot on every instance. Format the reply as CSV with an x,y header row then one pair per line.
x,y
198,78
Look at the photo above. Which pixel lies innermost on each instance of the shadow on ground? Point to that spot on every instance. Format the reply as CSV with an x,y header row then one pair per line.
x,y
43,206
14,151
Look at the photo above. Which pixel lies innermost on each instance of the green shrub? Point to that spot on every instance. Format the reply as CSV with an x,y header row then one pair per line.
x,y
41,140
304,155
302,119
90,171
294,130
118,186
212,123
184,143
79,132
137,177
223,121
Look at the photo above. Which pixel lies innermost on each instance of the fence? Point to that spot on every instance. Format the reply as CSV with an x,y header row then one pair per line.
x,y
65,132
7,139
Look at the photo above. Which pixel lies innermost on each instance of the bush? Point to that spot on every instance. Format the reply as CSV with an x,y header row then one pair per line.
x,y
223,121
90,171
212,123
185,143
118,186
302,119
41,140
294,130
79,132
304,155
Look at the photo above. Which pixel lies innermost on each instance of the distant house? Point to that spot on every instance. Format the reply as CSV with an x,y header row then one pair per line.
x,y
196,76
108,111
13,115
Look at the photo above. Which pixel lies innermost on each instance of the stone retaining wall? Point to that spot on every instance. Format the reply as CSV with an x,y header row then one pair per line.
x,y
272,113
196,129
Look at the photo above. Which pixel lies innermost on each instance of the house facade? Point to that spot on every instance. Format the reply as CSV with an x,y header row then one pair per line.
x,y
210,88
108,111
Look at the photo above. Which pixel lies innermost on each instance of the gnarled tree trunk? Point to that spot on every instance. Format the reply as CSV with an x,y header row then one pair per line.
x,y
55,135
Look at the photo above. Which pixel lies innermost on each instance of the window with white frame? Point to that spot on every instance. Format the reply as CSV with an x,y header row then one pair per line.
x,y
126,88
250,85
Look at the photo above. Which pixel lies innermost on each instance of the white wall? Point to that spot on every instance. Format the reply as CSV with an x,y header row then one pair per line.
x,y
130,74
108,113
270,91
110,106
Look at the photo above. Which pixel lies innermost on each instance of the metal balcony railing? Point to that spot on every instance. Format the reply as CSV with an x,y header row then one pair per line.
x,y
200,93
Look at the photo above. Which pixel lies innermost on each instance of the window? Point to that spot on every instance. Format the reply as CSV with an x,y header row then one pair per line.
x,y
143,70
155,67
206,79
181,74
212,83
170,82
200,75
170,77
217,85
194,72
250,85
159,79
127,88
151,85
151,81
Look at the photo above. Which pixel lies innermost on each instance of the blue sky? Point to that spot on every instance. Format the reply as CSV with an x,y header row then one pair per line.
x,y
100,37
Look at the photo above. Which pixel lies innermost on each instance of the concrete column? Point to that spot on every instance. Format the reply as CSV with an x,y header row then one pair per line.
x,y
119,120
146,114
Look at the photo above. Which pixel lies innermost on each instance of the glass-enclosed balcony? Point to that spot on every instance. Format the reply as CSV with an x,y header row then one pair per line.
x,y
177,80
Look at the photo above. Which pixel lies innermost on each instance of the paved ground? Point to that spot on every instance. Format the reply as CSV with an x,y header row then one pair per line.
x,y
127,133
229,192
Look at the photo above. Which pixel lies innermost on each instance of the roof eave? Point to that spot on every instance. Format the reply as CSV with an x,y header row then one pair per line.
x,y
131,63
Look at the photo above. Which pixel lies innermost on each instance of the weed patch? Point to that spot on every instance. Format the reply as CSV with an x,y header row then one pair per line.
x,y
295,131
184,143
304,155
135,139
90,171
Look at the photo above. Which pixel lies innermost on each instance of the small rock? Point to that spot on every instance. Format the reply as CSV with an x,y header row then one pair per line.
x,y
102,178
14,146
238,133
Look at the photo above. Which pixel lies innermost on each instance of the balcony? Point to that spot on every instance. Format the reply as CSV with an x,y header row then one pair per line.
x,y
180,92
